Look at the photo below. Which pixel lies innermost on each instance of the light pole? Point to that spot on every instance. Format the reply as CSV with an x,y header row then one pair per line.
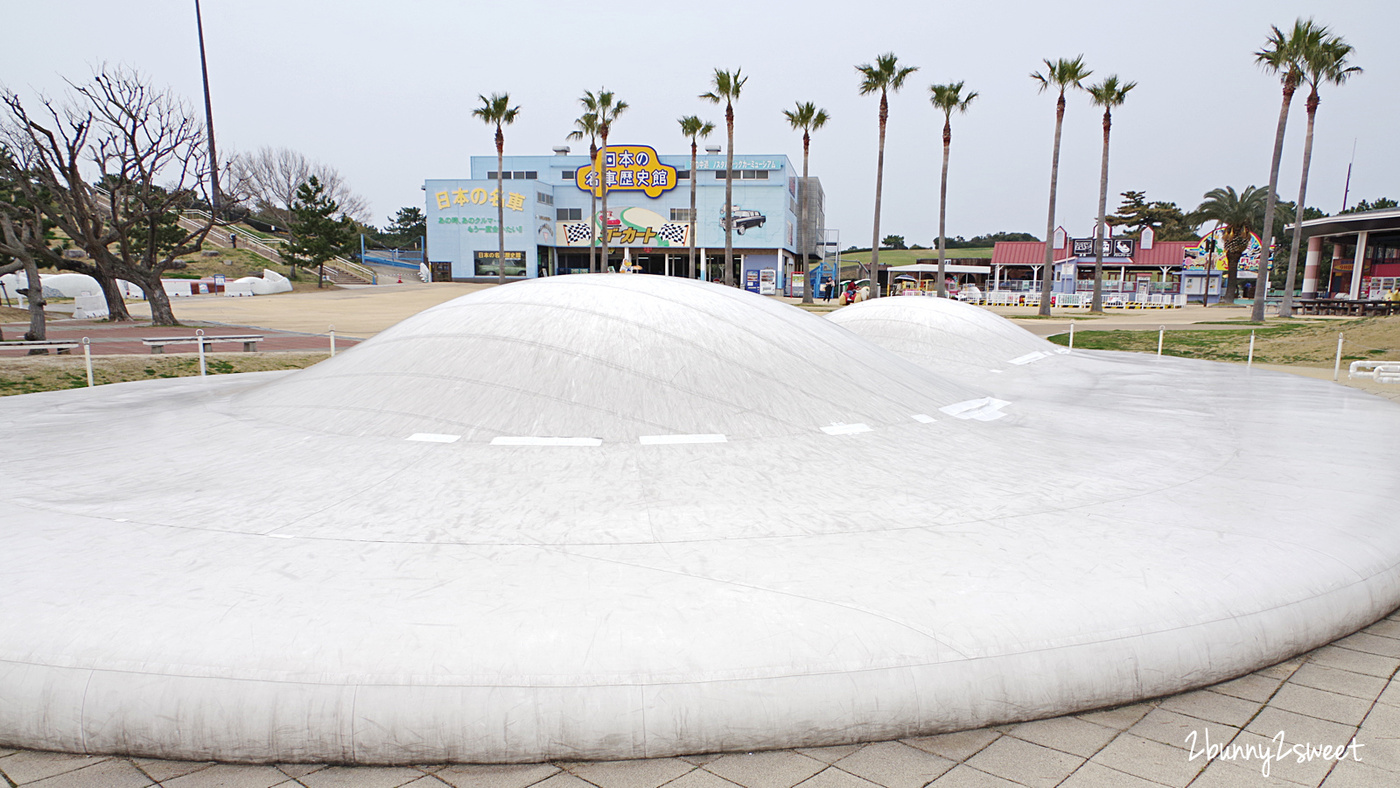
x,y
208,118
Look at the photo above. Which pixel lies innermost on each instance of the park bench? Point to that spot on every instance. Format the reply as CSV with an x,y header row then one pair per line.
x,y
250,341
59,346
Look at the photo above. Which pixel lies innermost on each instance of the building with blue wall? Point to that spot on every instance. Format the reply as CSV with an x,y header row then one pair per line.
x,y
549,219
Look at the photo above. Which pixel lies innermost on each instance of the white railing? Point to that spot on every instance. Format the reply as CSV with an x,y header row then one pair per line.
x,y
1379,371
265,250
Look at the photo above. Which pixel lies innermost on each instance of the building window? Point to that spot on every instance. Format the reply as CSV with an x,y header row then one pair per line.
x,y
541,197
680,214
491,176
682,175
568,214
568,175
744,175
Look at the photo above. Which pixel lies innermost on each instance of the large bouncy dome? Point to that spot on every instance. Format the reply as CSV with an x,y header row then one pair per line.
x,y
616,516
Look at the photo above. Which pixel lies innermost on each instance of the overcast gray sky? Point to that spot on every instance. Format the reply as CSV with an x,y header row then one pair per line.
x,y
384,91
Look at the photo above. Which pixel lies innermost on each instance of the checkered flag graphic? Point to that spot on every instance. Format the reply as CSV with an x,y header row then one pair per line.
x,y
674,233
578,233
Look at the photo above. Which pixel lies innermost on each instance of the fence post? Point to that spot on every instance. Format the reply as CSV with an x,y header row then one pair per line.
x,y
1161,334
332,341
1337,367
1250,363
1071,335
199,340
87,359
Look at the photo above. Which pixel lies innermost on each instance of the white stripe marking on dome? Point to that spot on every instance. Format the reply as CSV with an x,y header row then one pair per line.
x,y
845,429
433,437
656,440
985,409
533,441
1029,357
923,418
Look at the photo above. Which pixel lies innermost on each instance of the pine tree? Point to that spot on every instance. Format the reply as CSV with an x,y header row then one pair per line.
x,y
317,235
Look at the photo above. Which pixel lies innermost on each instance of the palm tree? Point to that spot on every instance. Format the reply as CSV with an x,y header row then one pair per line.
x,y
497,111
885,76
607,108
1108,94
1241,214
1060,75
1281,55
587,126
696,129
949,99
726,91
808,118
1323,62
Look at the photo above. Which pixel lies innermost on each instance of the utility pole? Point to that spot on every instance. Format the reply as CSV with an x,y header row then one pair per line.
x,y
208,118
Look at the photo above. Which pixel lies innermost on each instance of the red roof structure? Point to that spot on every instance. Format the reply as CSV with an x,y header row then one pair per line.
x,y
1162,253
1021,253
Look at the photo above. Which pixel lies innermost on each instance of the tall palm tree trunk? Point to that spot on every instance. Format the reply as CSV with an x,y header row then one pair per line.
x,y
1286,308
879,184
593,206
1045,279
691,235
603,187
1097,306
729,197
500,205
802,220
943,210
1266,233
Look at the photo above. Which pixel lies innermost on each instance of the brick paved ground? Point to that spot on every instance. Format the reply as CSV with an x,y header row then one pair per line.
x,y
1328,697
125,338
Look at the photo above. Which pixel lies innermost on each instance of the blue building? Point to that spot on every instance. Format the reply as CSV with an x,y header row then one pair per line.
x,y
549,220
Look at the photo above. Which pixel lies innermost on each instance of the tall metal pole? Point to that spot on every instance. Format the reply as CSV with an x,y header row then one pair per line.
x,y
208,118
1346,192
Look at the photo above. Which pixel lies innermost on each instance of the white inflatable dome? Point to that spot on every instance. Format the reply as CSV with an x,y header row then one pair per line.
x,y
269,283
614,516
944,335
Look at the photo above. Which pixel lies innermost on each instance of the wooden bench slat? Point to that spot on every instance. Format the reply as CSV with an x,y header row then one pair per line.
x,y
250,341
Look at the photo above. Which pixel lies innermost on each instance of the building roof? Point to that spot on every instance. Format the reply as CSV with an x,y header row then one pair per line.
x,y
1033,253
1019,253
1347,224
1163,253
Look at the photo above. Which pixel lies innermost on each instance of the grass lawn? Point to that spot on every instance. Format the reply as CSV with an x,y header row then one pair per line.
x,y
1303,343
29,374
912,256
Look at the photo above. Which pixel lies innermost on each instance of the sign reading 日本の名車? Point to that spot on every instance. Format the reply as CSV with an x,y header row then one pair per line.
x,y
629,168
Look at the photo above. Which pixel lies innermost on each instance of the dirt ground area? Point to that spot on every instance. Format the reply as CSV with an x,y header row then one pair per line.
x,y
354,311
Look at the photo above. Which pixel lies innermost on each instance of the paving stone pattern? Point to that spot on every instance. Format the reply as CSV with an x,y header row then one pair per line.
x,y
1339,692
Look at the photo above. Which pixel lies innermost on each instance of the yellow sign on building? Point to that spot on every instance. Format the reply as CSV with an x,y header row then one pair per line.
x,y
628,168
